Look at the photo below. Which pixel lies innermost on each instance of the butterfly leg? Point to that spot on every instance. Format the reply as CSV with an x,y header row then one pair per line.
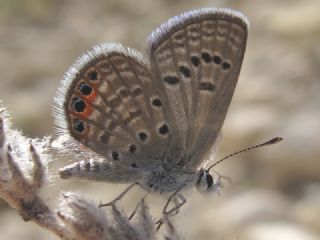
x,y
119,197
135,209
171,198
175,210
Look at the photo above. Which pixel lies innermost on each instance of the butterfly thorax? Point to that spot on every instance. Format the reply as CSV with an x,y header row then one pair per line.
x,y
164,179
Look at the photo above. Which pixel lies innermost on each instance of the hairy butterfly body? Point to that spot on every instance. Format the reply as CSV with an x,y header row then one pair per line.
x,y
154,121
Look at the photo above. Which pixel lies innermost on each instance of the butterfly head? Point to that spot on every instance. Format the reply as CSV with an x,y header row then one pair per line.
x,y
208,183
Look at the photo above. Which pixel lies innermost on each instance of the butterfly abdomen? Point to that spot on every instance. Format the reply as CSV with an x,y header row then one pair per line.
x,y
80,169
99,170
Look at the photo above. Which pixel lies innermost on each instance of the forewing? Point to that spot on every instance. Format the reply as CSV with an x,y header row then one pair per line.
x,y
197,59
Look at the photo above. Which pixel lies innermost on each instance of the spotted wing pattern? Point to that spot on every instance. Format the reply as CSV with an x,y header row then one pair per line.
x,y
197,59
112,107
137,114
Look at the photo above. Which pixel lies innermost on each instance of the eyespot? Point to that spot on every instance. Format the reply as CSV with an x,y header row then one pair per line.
x,y
85,89
143,136
226,65
78,104
79,126
216,59
185,71
206,57
156,102
171,80
195,61
163,129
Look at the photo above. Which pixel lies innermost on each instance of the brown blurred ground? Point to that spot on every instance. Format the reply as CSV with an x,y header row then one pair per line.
x,y
275,193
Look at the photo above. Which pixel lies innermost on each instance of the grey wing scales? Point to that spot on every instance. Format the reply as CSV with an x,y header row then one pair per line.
x,y
108,103
197,59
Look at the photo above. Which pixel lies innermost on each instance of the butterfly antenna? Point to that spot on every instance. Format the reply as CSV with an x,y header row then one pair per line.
x,y
270,142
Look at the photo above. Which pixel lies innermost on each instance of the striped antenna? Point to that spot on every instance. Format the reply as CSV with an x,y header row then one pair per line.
x,y
270,142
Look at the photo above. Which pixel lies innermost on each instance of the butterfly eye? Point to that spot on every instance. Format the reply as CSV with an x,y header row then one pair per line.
x,y
209,180
202,182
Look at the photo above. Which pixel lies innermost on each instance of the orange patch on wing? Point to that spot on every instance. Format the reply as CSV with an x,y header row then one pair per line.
x,y
90,98
86,112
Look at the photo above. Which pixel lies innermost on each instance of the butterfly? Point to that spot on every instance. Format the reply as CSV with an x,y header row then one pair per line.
x,y
153,121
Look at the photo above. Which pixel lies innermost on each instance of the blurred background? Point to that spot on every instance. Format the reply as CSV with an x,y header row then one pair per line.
x,y
275,191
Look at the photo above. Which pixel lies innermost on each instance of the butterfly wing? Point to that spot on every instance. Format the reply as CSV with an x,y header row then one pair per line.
x,y
196,58
108,103
137,114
